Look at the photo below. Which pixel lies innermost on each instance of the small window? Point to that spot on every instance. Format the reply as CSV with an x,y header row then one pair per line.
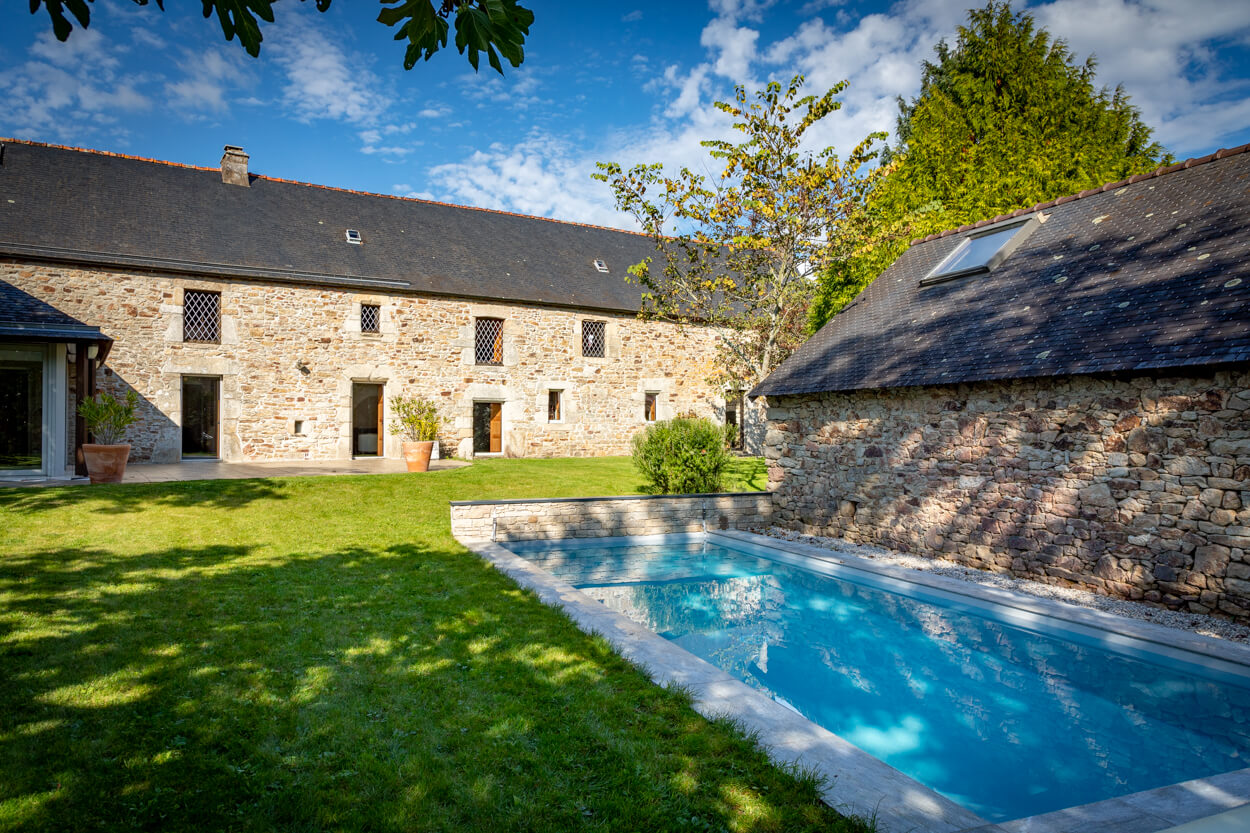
x,y
981,252
554,411
648,407
299,427
370,318
353,236
593,339
488,343
201,317
601,266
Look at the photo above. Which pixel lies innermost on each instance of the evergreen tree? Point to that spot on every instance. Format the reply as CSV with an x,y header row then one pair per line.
x,y
1005,119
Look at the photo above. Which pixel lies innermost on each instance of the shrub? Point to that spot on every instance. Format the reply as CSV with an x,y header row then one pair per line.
x,y
682,456
415,419
107,417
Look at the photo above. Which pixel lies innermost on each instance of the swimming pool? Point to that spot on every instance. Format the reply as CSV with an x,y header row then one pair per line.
x,y
1007,713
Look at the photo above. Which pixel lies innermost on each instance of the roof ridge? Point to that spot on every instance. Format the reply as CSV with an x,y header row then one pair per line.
x,y
1222,153
32,143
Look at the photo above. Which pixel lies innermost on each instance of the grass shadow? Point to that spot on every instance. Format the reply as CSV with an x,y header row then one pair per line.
x,y
342,664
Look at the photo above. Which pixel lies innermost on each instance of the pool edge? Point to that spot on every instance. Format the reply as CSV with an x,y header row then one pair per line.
x,y
858,783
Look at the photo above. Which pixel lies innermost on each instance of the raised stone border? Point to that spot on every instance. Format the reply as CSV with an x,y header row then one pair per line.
x,y
858,782
599,517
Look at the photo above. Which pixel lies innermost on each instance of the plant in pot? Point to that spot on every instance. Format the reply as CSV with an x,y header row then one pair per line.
x,y
417,421
107,419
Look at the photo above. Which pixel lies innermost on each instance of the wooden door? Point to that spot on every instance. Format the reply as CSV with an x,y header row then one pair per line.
x,y
487,427
496,427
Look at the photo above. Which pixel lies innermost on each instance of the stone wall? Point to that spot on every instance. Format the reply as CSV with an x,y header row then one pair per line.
x,y
1137,488
522,520
290,352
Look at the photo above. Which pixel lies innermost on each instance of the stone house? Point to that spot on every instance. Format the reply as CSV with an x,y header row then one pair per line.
x,y
1062,393
263,319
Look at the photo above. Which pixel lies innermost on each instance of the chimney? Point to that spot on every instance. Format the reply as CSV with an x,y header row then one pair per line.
x,y
234,166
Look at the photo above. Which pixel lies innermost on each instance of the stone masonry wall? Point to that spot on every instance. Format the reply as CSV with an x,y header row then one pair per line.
x,y
1137,488
520,520
425,347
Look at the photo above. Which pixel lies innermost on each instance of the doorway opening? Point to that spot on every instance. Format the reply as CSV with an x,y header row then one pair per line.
x,y
21,408
366,419
487,427
201,396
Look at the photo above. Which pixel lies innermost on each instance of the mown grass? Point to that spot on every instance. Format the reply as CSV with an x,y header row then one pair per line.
x,y
318,653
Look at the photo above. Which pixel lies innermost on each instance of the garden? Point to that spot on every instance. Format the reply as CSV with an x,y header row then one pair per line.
x,y
314,653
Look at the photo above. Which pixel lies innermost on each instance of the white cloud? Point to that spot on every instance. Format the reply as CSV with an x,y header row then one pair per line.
x,y
208,86
1162,52
70,91
735,45
322,80
632,17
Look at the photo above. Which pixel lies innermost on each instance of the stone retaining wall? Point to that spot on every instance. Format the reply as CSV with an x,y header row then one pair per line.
x,y
520,520
1137,488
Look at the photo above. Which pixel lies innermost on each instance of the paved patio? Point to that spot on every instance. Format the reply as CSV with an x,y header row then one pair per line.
x,y
218,470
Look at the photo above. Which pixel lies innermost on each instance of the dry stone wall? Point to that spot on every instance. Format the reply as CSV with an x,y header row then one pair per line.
x,y
526,520
290,352
1137,488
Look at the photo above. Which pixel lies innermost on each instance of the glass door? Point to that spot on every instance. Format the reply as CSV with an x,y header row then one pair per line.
x,y
21,408
200,423
366,419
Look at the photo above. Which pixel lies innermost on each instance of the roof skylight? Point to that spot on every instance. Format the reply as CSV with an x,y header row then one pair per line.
x,y
982,251
601,266
353,236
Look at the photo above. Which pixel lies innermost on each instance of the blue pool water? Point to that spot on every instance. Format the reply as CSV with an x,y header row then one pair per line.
x,y
1006,720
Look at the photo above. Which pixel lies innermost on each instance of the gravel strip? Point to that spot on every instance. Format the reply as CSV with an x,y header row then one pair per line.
x,y
1195,622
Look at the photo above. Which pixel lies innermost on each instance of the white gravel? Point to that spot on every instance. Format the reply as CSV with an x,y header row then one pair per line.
x,y
1195,622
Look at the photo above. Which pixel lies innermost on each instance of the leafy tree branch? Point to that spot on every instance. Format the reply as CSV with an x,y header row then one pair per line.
x,y
495,27
757,235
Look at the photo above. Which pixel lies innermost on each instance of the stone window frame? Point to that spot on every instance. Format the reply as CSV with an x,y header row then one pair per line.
x,y
611,340
650,406
597,340
377,318
490,327
188,327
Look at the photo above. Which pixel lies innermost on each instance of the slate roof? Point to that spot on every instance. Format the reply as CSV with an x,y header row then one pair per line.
x,y
92,207
26,318
1146,274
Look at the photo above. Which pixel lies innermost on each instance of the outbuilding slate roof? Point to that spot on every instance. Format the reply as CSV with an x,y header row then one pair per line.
x,y
90,207
1147,274
24,317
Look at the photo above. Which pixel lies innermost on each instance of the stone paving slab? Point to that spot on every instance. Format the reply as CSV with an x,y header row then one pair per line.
x,y
219,470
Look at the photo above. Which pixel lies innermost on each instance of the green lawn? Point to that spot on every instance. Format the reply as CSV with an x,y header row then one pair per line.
x,y
318,653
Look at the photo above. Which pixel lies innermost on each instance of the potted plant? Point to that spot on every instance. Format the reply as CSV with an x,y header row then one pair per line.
x,y
107,419
417,421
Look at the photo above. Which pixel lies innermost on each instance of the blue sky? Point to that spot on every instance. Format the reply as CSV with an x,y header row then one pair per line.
x,y
329,102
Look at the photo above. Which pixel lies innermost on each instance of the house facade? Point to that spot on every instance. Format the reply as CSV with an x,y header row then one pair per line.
x,y
1062,394
260,319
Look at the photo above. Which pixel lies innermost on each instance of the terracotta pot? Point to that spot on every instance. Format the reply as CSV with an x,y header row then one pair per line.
x,y
106,463
417,455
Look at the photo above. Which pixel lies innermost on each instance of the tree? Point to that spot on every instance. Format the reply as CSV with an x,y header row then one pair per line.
x,y
746,246
1005,119
481,25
